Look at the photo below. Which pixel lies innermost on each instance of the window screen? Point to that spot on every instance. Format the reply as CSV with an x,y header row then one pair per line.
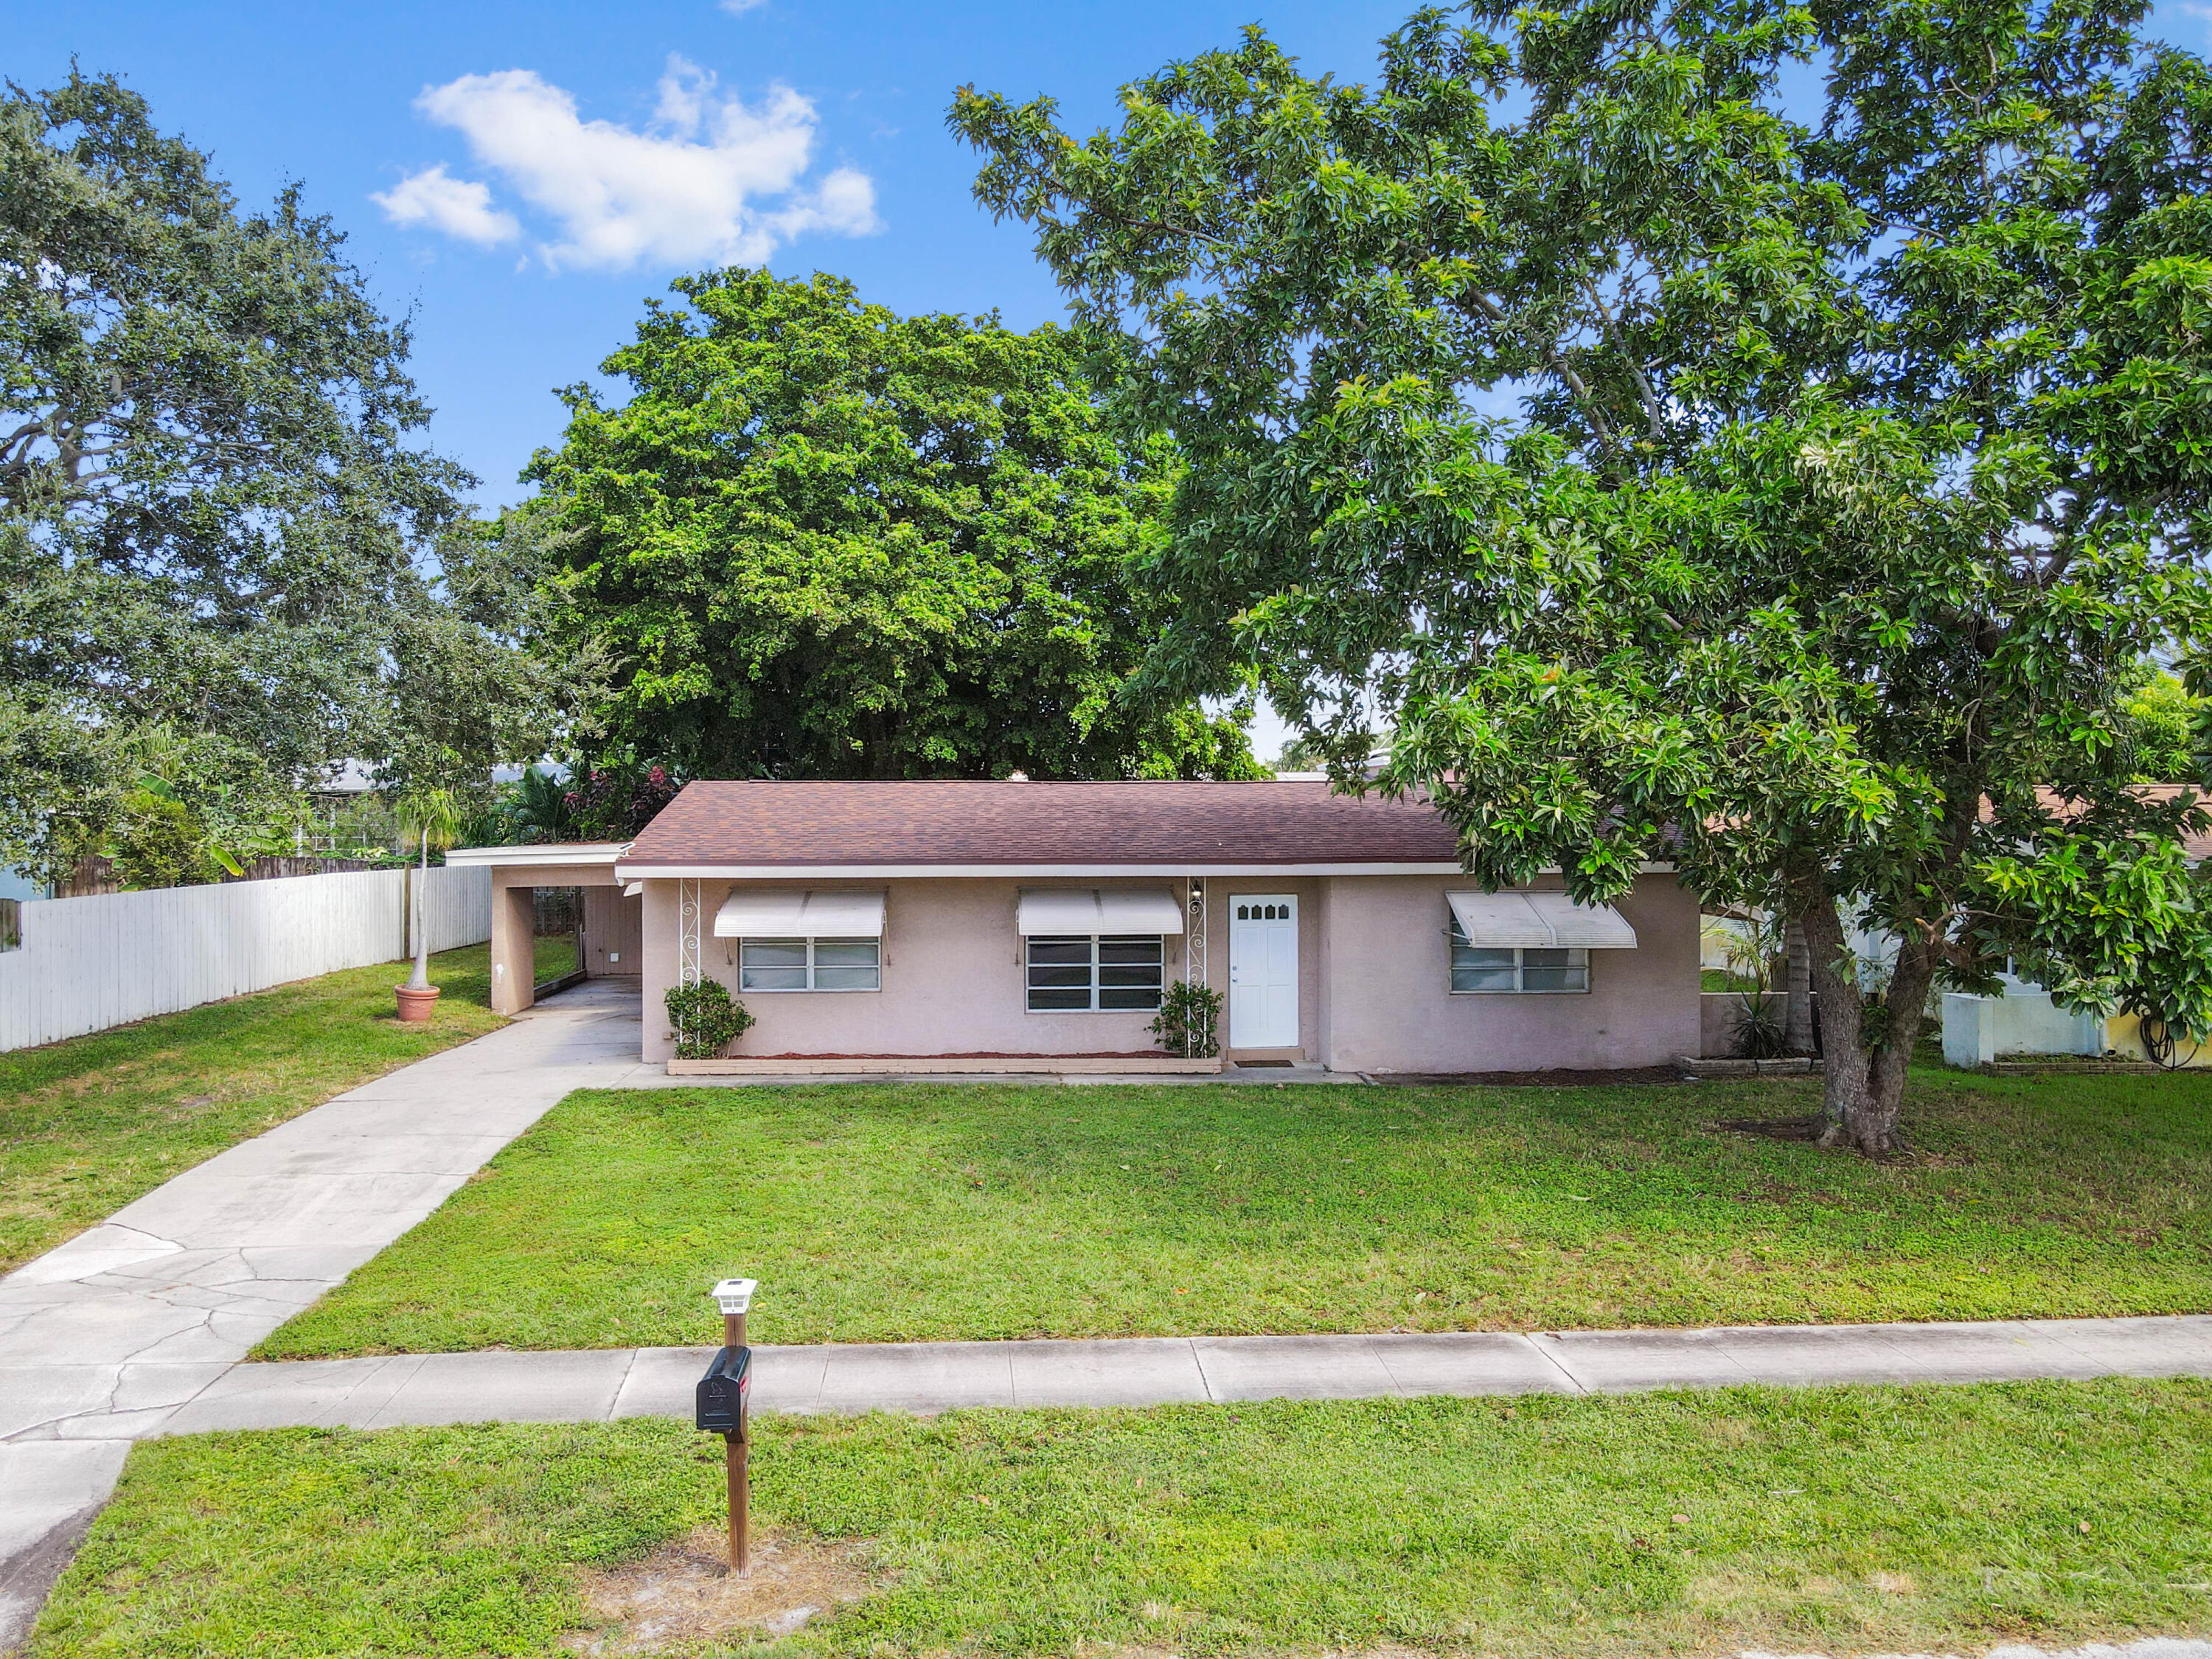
x,y
810,964
1486,968
1106,971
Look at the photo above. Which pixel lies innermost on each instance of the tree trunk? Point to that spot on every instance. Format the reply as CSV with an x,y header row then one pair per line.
x,y
1862,1089
1797,990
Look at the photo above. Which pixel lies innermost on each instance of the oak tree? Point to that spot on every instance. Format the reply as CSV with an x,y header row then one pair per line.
x,y
223,543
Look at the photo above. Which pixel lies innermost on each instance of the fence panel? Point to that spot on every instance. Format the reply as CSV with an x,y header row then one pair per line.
x,y
106,959
457,906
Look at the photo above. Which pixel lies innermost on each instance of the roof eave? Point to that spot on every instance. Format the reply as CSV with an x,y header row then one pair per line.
x,y
569,852
631,870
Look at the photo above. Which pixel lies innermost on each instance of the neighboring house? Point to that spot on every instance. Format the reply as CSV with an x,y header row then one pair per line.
x,y
1012,925
2023,1020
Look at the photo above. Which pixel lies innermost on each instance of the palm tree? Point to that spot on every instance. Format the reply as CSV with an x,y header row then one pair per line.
x,y
433,817
539,806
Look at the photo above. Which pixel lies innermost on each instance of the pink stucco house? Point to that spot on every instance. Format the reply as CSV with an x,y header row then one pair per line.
x,y
1016,926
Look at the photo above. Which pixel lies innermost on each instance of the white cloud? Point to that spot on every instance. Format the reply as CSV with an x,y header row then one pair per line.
x,y
459,207
739,8
686,190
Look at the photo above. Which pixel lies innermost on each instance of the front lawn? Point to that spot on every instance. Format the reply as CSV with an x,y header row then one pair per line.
x,y
87,1125
1898,1519
875,1213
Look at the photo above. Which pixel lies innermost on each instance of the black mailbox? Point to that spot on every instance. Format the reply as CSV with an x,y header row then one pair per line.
x,y
718,1404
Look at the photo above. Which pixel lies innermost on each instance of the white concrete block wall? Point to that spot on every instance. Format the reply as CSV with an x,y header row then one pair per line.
x,y
2023,1021
89,964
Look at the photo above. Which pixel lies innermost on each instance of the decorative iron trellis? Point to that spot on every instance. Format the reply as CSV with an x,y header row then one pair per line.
x,y
1196,927
687,972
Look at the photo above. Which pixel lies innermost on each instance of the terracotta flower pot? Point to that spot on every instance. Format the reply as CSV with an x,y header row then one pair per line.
x,y
414,1005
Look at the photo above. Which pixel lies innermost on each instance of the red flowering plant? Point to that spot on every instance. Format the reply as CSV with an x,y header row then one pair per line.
x,y
616,803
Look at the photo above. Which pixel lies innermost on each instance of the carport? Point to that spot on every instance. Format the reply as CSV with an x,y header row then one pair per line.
x,y
609,941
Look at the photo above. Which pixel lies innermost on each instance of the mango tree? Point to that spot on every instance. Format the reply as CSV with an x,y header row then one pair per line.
x,y
1767,441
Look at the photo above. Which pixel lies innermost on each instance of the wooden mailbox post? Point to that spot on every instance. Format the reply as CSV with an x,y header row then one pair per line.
x,y
720,1406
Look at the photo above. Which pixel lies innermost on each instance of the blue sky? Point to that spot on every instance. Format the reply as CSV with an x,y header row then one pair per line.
x,y
825,122
828,117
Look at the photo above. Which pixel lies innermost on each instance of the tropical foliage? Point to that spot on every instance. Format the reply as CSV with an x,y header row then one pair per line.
x,y
706,1017
2164,718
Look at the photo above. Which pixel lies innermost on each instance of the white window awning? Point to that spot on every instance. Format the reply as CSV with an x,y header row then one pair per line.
x,y
1085,910
1539,921
799,913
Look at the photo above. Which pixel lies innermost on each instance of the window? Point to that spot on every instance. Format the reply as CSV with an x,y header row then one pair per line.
x,y
1477,968
1263,913
1103,971
810,964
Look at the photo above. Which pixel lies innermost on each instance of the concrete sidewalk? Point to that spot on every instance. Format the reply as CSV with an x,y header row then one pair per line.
x,y
601,1385
107,1336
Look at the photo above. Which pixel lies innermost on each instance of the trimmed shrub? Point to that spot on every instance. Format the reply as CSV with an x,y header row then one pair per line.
x,y
706,1019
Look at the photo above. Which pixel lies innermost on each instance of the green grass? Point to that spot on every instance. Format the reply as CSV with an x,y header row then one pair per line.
x,y
551,957
876,1213
1865,1518
1724,979
87,1125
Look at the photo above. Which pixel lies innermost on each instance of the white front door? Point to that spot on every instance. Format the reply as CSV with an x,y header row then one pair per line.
x,y
1263,971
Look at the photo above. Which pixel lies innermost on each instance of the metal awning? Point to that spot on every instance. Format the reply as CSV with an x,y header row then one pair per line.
x,y
1085,910
1539,922
799,913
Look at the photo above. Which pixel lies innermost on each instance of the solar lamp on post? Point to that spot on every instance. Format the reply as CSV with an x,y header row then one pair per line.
x,y
721,1407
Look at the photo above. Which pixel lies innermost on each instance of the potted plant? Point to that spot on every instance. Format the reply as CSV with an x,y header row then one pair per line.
x,y
433,817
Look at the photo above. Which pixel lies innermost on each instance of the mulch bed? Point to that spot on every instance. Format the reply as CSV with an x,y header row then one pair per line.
x,y
981,1053
1635,1076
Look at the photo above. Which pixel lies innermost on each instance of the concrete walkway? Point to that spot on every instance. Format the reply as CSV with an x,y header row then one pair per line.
x,y
599,1385
104,1338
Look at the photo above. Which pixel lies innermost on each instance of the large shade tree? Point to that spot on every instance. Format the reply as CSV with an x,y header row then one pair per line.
x,y
229,561
818,539
1763,438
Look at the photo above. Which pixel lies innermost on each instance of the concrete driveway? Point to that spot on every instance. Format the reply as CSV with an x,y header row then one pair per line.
x,y
102,1339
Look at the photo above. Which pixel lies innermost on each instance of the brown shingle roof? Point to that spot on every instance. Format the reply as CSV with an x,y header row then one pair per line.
x,y
2196,844
1189,825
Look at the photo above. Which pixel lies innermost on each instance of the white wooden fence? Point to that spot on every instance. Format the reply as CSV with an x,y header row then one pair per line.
x,y
88,963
